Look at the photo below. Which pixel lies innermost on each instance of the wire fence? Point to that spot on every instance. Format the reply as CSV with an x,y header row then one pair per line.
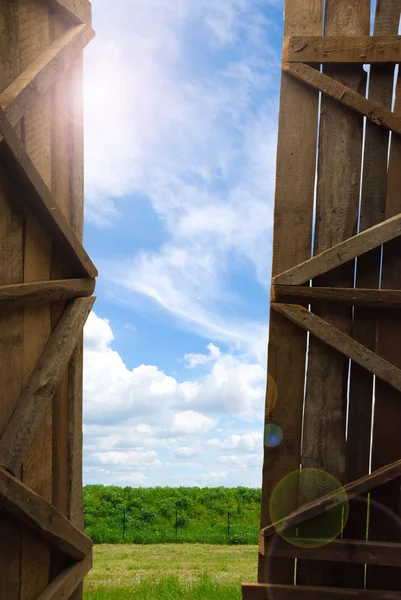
x,y
147,526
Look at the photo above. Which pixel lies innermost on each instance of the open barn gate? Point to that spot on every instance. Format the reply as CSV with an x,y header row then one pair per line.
x,y
334,356
46,282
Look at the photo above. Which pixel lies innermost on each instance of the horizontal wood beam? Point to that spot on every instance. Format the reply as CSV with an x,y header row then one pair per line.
x,y
43,72
39,515
37,195
334,89
66,582
294,294
341,253
342,343
42,384
339,550
317,507
45,291
342,49
80,11
259,591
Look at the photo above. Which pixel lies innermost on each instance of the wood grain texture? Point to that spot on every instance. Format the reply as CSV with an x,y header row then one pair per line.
x,y
343,343
364,484
341,253
339,550
38,196
337,203
254,591
64,586
60,187
39,515
387,412
295,178
371,108
11,324
364,328
292,294
42,383
79,11
43,72
343,49
75,369
37,467
13,296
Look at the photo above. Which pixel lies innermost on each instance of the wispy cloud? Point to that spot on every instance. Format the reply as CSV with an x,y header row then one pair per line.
x,y
188,88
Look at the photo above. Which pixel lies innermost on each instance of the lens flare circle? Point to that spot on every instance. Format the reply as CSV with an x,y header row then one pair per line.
x,y
309,485
273,435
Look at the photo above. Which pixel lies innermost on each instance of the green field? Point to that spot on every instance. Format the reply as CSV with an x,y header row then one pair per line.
x,y
115,515
170,572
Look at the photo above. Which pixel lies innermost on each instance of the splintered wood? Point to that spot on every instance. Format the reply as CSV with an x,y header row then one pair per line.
x,y
46,280
335,320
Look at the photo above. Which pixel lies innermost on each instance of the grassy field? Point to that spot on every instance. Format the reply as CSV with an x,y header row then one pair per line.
x,y
170,572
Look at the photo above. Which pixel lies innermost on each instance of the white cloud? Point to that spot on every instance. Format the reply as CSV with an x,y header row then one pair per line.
x,y
134,418
194,360
246,443
185,452
188,421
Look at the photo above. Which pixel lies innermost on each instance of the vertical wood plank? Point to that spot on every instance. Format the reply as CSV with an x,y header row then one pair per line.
x,y
340,154
373,198
75,371
295,178
60,186
387,414
11,325
36,470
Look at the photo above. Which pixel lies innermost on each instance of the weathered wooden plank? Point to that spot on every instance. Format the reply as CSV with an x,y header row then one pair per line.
x,y
80,11
39,515
317,507
75,369
339,550
364,327
254,591
343,49
42,384
60,187
43,72
341,253
11,324
337,203
387,412
371,109
13,296
40,199
37,467
66,583
295,179
343,343
293,294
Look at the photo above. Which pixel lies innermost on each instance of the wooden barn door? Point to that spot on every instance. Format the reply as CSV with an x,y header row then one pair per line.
x,y
331,504
46,286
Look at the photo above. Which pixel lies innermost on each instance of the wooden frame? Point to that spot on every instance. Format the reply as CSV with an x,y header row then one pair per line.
x,y
342,49
62,354
356,219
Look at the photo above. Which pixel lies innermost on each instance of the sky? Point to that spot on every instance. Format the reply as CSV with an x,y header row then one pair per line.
x,y
181,109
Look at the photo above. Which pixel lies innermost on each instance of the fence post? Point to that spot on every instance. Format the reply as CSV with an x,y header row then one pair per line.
x,y
124,523
176,523
228,524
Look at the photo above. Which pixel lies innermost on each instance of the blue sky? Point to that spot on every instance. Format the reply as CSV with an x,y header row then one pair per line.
x,y
181,108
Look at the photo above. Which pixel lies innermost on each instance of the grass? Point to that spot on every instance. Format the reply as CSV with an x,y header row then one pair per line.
x,y
170,572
